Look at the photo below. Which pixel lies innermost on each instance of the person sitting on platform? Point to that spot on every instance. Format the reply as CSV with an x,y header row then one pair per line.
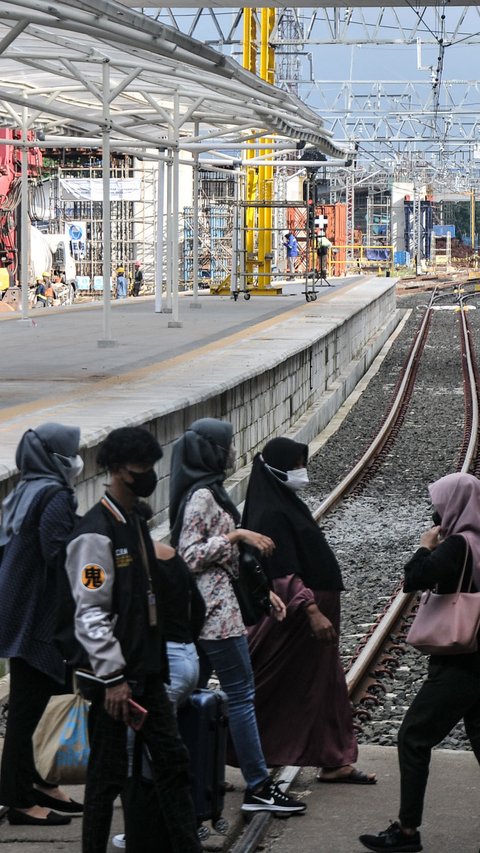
x,y
40,294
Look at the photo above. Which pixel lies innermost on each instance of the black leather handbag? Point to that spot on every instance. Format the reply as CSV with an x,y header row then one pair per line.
x,y
251,587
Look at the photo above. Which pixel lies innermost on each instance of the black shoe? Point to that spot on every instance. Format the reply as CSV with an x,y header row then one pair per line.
x,y
269,798
394,840
17,818
67,806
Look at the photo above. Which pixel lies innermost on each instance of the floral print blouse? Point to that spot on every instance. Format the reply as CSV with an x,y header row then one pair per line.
x,y
204,546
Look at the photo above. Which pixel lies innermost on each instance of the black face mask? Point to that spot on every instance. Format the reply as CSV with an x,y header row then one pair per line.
x,y
436,518
143,484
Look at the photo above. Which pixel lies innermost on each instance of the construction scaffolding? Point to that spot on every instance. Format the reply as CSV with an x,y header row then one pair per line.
x,y
216,200
69,197
378,243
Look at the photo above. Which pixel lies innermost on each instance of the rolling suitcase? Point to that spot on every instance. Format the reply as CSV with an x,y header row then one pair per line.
x,y
203,724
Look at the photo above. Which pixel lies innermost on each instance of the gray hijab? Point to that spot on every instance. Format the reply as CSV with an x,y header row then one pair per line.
x,y
199,460
42,458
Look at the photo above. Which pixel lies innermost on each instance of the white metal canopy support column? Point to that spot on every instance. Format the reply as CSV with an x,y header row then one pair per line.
x,y
168,233
106,341
175,323
159,260
25,223
196,185
237,228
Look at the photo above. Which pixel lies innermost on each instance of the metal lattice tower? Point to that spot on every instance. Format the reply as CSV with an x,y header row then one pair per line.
x,y
289,37
350,202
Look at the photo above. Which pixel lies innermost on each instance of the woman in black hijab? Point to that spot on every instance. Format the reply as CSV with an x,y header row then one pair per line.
x,y
205,527
310,723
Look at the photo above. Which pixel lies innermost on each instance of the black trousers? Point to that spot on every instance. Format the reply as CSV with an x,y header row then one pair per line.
x,y
107,774
450,693
30,691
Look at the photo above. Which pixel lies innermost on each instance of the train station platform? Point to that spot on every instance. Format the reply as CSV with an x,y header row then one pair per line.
x,y
270,365
336,814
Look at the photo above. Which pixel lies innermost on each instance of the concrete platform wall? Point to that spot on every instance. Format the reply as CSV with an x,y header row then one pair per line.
x,y
290,378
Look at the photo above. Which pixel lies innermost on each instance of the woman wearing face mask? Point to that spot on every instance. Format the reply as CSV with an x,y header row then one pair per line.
x,y
204,524
310,723
37,518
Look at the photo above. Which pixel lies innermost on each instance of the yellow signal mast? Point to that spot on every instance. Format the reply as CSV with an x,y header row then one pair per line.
x,y
259,58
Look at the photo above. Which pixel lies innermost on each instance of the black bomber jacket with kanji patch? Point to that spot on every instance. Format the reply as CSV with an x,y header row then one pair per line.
x,y
112,589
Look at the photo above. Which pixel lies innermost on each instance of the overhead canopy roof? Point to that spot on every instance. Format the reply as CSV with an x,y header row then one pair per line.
x,y
52,56
297,4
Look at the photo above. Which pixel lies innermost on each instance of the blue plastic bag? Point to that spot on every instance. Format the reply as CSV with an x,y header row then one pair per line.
x,y
60,741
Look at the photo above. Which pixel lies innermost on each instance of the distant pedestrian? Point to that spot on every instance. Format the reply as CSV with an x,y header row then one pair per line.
x,y
291,245
122,283
138,279
323,244
37,518
451,691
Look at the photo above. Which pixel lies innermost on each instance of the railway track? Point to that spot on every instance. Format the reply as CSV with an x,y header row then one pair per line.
x,y
380,651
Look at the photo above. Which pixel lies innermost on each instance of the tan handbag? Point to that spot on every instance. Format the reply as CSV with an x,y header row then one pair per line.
x,y
447,624
60,741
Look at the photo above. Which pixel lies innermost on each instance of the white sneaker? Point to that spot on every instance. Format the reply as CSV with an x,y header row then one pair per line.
x,y
119,841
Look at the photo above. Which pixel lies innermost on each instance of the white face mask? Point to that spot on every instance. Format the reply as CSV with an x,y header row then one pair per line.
x,y
76,466
297,479
72,467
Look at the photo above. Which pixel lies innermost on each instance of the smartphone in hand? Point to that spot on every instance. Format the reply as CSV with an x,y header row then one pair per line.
x,y
137,715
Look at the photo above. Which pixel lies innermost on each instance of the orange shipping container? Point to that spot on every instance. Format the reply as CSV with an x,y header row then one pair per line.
x,y
336,231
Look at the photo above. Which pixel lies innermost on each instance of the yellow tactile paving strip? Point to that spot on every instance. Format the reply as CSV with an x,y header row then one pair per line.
x,y
132,377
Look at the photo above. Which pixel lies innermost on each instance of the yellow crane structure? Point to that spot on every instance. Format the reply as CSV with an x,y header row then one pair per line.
x,y
259,58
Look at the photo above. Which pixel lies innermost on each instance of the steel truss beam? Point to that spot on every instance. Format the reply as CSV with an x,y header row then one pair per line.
x,y
379,115
393,111
389,24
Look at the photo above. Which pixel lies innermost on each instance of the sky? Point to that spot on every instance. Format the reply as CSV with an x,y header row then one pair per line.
x,y
325,67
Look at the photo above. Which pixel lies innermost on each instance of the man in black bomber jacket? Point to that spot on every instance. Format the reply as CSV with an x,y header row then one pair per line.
x,y
115,582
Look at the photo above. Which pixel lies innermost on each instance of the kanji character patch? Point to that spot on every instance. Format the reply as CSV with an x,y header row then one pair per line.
x,y
93,576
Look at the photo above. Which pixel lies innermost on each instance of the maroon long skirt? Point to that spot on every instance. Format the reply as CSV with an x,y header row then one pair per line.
x,y
303,710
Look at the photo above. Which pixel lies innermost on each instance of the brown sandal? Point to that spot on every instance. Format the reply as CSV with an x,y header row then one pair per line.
x,y
355,777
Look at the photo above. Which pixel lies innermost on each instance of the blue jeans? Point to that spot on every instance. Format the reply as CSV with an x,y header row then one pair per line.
x,y
184,670
231,661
